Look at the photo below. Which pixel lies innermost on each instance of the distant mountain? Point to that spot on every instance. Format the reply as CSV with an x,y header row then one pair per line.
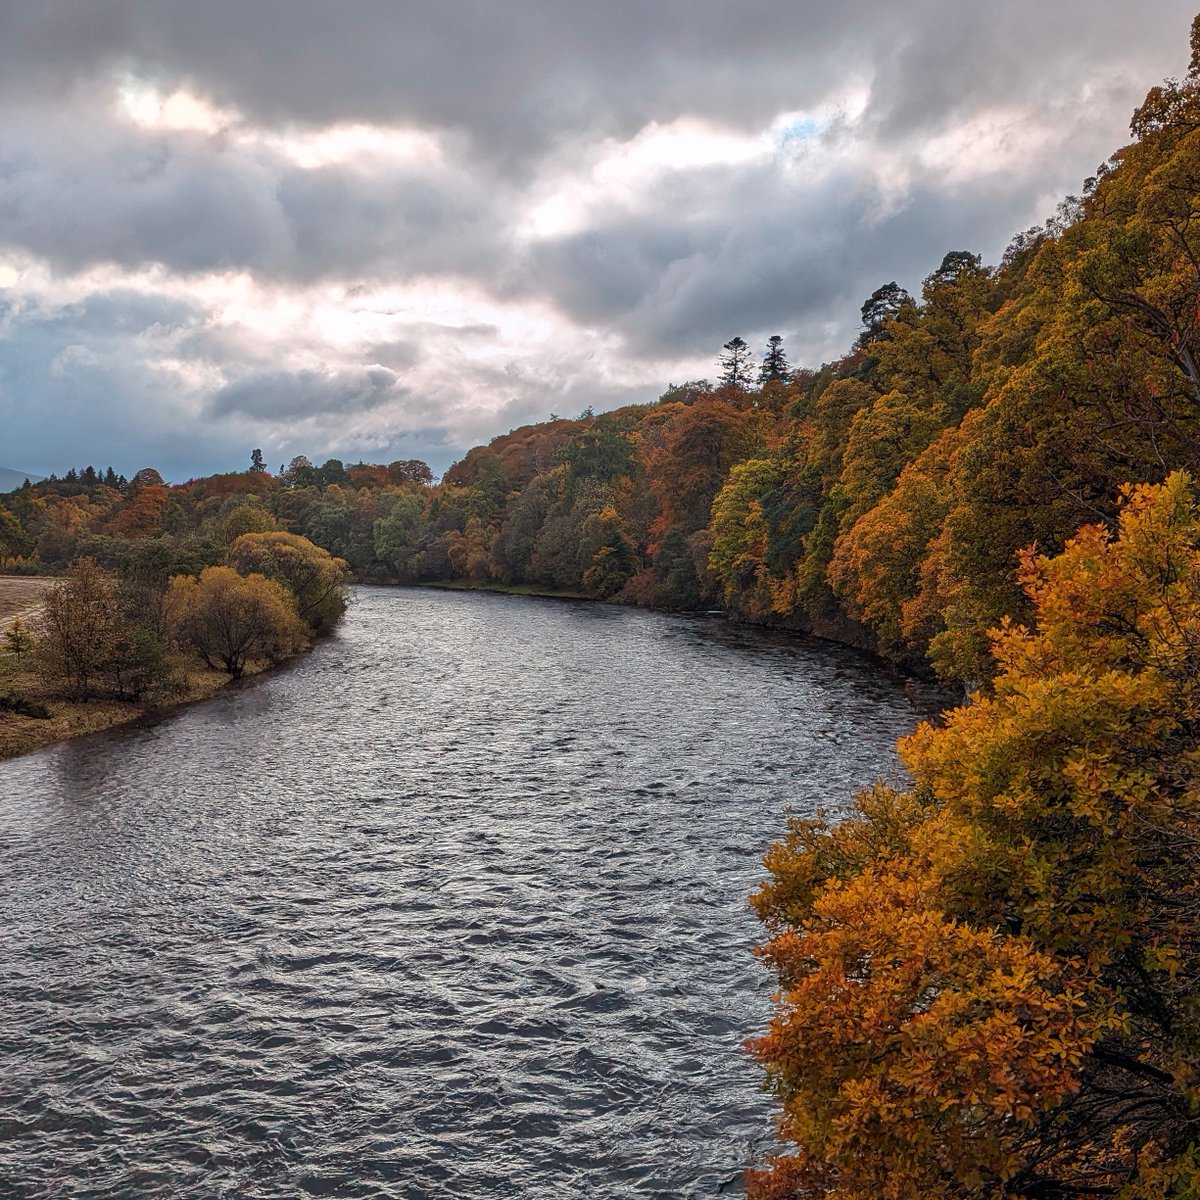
x,y
11,480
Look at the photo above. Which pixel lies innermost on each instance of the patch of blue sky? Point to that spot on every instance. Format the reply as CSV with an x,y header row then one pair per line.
x,y
797,128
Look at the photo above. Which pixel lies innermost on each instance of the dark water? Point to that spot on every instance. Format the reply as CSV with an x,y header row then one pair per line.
x,y
455,907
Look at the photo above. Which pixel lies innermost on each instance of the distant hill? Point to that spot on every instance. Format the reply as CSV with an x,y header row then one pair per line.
x,y
11,480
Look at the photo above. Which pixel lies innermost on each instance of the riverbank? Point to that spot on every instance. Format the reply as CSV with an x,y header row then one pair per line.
x,y
504,589
73,718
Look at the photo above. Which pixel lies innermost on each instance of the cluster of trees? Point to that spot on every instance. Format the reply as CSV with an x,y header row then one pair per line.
x,y
991,983
120,634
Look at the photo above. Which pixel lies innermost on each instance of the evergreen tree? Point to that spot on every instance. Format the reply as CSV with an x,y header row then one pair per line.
x,y
882,305
735,364
256,462
774,364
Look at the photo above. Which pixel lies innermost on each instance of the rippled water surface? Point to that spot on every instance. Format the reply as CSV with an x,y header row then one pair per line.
x,y
454,907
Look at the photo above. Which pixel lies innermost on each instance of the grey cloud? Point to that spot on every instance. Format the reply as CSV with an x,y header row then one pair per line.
x,y
519,94
773,254
520,75
291,395
83,191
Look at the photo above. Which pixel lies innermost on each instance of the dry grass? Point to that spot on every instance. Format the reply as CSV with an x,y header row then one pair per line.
x,y
68,718
18,593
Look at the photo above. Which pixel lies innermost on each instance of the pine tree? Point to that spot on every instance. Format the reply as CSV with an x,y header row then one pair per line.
x,y
881,306
256,462
774,364
735,364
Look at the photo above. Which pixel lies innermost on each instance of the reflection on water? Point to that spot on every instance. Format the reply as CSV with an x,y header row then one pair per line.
x,y
454,907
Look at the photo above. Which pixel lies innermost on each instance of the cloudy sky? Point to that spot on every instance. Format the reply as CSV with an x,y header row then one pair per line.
x,y
394,228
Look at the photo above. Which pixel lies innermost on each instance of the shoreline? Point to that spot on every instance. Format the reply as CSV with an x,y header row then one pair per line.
x,y
499,589
71,719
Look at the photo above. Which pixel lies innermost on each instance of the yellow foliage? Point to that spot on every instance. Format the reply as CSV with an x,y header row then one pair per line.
x,y
991,985
231,619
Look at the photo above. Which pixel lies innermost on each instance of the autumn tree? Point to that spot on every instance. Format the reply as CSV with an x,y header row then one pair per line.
x,y
989,984
14,542
409,471
609,559
741,535
147,477
231,620
89,644
313,576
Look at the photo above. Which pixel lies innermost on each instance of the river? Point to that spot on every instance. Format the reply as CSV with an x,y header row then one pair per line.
x,y
454,906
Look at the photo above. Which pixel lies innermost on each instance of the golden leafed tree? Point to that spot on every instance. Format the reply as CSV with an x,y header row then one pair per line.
x,y
231,620
990,986
315,578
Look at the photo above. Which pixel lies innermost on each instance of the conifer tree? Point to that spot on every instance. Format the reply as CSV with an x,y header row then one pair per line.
x,y
735,364
774,364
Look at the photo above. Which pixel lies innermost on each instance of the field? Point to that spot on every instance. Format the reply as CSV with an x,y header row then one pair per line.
x,y
18,593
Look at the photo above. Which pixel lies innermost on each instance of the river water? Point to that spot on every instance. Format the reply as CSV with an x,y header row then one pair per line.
x,y
453,907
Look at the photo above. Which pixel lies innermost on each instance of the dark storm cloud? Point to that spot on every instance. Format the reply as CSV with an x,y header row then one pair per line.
x,y
924,126
520,74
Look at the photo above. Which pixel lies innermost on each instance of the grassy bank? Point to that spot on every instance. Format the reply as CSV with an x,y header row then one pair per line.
x,y
70,718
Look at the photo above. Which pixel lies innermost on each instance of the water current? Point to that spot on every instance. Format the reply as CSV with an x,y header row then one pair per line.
x,y
455,906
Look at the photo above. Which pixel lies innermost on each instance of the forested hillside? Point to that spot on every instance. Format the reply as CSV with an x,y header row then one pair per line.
x,y
881,499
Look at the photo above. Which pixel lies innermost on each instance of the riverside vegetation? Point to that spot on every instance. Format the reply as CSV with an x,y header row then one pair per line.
x,y
989,984
157,633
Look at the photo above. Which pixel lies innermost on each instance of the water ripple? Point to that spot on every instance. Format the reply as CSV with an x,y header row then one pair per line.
x,y
455,907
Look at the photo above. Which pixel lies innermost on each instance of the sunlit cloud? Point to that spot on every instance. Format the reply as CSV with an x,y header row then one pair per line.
x,y
415,241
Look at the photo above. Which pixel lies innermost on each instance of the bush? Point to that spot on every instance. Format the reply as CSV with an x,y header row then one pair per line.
x,y
14,702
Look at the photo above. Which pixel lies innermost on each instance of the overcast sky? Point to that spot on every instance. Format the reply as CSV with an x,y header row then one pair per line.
x,y
390,229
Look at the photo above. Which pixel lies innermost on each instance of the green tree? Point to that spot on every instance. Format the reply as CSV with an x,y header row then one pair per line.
x,y
247,518
401,536
774,366
17,639
735,365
